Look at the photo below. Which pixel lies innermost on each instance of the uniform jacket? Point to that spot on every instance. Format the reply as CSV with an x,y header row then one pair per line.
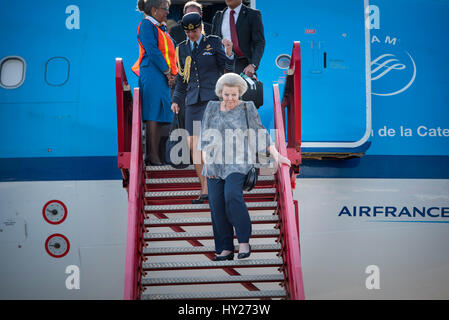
x,y
249,32
155,91
207,66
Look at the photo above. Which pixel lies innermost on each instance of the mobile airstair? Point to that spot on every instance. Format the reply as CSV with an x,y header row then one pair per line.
x,y
169,245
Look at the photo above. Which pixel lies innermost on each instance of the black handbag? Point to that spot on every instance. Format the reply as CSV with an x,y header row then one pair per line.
x,y
253,173
254,92
170,144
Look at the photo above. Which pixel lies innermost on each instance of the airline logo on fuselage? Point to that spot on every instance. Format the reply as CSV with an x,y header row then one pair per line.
x,y
436,214
393,69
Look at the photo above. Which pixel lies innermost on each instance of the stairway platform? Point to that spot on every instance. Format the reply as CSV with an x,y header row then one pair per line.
x,y
244,263
275,247
210,280
217,295
174,236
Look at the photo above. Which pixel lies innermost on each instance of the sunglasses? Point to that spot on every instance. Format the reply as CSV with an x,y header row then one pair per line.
x,y
166,9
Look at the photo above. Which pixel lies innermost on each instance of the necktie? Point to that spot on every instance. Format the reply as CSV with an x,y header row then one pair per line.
x,y
234,38
195,49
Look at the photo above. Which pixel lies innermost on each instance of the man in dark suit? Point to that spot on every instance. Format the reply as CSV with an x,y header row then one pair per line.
x,y
243,26
177,32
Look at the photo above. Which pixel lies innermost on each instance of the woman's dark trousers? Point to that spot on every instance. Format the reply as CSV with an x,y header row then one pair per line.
x,y
228,211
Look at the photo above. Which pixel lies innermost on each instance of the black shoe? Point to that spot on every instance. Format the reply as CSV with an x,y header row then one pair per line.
x,y
148,162
201,199
244,254
223,258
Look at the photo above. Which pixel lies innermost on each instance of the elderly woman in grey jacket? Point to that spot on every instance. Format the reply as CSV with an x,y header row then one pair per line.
x,y
225,129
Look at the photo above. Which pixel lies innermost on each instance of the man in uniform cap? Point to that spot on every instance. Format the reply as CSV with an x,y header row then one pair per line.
x,y
201,61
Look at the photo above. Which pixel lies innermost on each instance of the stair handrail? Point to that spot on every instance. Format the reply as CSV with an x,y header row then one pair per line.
x,y
285,178
124,119
292,100
133,260
289,226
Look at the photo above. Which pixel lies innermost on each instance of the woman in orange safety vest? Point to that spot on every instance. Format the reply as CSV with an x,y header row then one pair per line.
x,y
156,69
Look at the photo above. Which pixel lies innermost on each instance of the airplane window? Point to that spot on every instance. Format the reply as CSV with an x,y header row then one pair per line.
x,y
12,72
283,61
57,71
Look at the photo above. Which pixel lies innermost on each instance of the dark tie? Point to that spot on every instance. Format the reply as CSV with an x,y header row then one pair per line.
x,y
234,38
195,49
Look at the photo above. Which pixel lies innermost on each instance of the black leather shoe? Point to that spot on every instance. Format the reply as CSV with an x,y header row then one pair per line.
x,y
244,254
201,199
223,258
148,162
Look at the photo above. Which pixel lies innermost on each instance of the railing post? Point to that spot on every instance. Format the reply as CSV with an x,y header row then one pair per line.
x,y
120,104
296,120
295,202
124,115
292,99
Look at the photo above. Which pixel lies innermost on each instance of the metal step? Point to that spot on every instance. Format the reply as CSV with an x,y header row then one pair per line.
x,y
205,206
217,295
193,180
168,168
209,280
187,193
244,263
206,249
202,221
171,236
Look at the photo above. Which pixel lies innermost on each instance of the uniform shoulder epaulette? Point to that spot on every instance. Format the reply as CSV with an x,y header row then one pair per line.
x,y
183,42
213,36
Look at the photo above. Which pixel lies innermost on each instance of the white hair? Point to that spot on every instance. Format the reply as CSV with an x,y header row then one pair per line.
x,y
230,80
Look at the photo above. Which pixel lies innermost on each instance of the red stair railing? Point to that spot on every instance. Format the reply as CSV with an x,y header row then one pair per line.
x,y
285,178
124,119
292,101
130,162
289,227
134,236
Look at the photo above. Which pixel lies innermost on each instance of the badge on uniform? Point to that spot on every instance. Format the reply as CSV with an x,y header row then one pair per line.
x,y
207,50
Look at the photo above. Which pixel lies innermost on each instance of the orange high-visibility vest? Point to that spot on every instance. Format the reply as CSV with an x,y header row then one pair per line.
x,y
165,45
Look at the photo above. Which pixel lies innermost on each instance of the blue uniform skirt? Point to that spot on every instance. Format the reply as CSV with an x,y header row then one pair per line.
x,y
155,94
195,113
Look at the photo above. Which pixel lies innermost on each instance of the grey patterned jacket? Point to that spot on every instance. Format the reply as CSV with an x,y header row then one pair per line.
x,y
224,139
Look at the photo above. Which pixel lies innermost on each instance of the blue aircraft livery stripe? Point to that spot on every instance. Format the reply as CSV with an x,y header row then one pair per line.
x,y
105,168
59,168
379,167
